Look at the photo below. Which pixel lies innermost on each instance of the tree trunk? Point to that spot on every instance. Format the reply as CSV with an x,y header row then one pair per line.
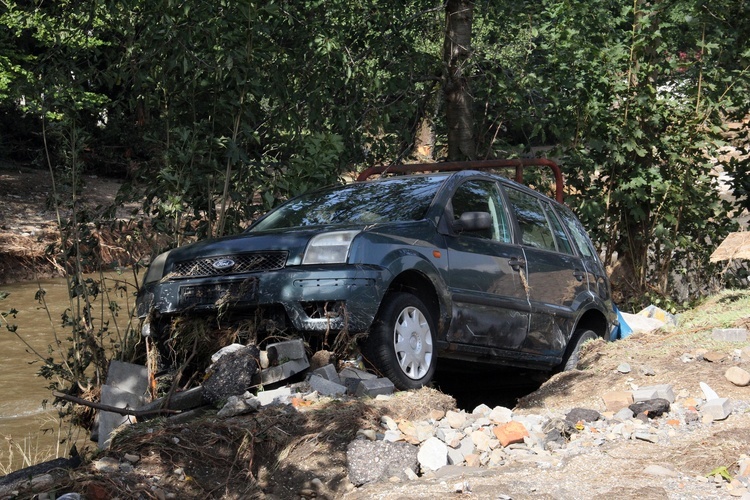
x,y
456,52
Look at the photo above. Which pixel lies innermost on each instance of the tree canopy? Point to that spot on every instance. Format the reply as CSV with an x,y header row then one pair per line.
x,y
218,110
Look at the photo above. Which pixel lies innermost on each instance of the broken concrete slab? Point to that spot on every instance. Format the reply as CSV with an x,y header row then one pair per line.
x,y
663,391
232,374
128,377
281,352
717,409
109,421
274,396
730,334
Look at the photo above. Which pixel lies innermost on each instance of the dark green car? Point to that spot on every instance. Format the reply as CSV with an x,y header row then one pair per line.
x,y
465,265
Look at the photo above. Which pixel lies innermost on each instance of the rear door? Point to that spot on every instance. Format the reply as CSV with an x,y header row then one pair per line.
x,y
556,274
490,305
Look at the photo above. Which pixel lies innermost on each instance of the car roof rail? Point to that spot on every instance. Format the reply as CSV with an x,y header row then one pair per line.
x,y
449,166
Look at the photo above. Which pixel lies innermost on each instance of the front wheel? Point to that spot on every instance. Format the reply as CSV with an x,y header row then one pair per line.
x,y
573,354
401,343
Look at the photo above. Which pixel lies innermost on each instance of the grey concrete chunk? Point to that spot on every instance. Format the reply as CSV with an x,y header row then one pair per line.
x,y
328,372
717,409
109,421
281,352
128,377
284,371
269,397
375,387
326,387
730,334
663,391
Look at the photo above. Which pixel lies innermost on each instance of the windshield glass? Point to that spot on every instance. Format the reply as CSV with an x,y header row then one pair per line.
x,y
389,200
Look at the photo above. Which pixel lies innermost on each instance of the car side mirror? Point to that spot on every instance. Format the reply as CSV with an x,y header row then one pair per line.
x,y
472,221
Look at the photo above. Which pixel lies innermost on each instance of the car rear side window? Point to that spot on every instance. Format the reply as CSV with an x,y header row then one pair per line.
x,y
483,196
578,234
538,224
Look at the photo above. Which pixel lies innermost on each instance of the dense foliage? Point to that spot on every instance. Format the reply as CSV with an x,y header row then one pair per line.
x,y
217,110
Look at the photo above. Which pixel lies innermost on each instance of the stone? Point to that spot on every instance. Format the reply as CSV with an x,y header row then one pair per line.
x,y
281,352
481,440
375,387
646,436
646,371
481,411
512,432
717,409
714,357
472,460
456,419
239,406
283,371
388,423
708,393
231,375
582,415
730,334
623,368
617,400
368,434
320,359
624,414
325,386
652,408
432,455
738,376
661,471
436,415
371,461
350,372
500,415
393,436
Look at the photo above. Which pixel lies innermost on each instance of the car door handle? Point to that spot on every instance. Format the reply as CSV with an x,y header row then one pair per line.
x,y
516,263
579,275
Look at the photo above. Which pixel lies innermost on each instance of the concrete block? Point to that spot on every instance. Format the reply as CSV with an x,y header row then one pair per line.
x,y
128,377
326,387
328,372
375,387
109,421
663,391
617,400
276,395
717,409
349,372
730,334
281,352
284,371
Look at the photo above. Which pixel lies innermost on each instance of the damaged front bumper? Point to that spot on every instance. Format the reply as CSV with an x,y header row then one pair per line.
x,y
323,298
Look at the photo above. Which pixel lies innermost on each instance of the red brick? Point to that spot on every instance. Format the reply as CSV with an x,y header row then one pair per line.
x,y
512,432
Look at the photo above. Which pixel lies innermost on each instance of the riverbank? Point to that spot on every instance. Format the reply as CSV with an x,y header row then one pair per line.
x,y
301,449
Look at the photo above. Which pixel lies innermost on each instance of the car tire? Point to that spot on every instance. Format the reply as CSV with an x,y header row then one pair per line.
x,y
401,342
570,362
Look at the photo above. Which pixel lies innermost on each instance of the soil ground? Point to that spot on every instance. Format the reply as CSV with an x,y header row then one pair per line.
x,y
299,451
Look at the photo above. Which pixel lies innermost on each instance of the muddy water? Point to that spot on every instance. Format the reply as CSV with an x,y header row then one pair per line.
x,y
22,416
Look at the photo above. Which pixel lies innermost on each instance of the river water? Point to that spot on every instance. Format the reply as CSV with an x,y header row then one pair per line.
x,y
31,433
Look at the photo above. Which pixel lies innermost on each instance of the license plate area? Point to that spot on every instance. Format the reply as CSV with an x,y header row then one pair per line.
x,y
219,294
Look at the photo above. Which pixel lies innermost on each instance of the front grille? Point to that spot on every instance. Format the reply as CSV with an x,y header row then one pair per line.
x,y
243,263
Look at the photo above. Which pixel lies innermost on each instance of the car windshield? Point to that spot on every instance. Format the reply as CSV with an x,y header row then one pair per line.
x,y
389,200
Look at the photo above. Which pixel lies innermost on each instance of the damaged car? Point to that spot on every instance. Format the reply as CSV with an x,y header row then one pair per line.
x,y
466,265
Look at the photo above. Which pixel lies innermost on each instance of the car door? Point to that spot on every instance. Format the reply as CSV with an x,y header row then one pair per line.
x,y
490,305
556,274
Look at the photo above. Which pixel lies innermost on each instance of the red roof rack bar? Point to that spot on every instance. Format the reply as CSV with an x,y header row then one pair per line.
x,y
449,166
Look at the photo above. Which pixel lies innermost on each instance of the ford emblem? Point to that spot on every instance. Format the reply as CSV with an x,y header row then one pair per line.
x,y
223,264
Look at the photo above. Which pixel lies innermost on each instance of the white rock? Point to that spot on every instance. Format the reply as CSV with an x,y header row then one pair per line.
x,y
432,455
738,376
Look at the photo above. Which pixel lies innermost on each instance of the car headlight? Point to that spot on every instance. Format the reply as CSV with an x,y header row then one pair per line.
x,y
156,269
329,248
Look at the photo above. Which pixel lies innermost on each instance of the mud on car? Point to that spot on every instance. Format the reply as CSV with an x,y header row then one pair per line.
x,y
465,265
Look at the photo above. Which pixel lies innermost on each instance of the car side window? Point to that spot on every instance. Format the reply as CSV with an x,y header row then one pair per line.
x,y
533,221
563,243
578,234
483,196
